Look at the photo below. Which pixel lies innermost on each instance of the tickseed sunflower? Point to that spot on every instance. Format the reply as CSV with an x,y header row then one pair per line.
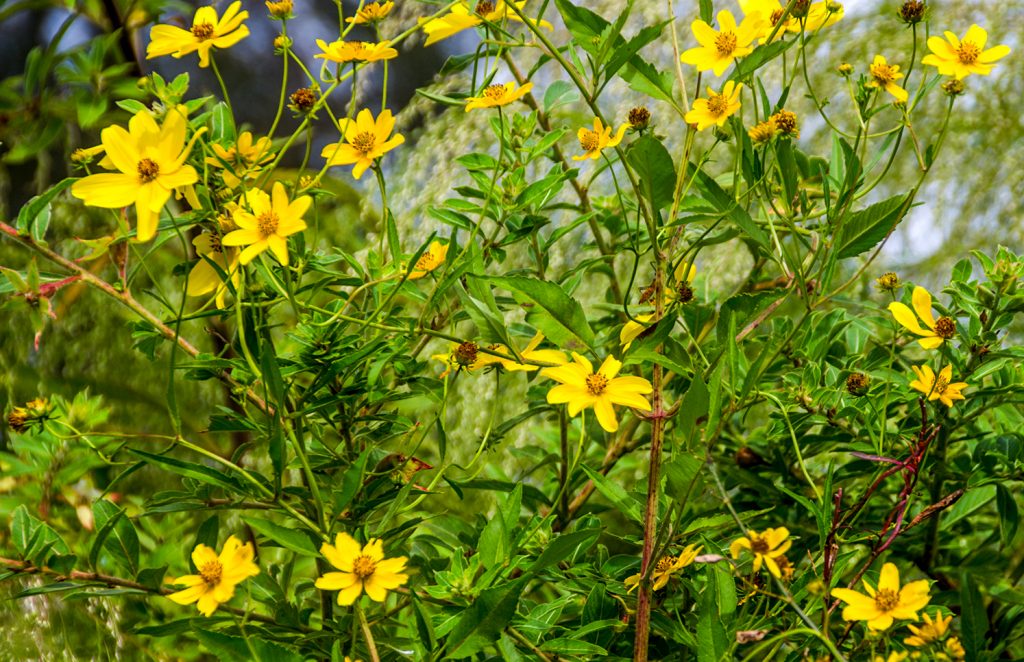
x,y
498,95
366,139
465,15
938,388
580,387
718,49
371,12
763,132
886,603
529,353
431,259
218,575
205,277
932,629
766,547
151,161
241,160
267,223
207,31
665,568
717,108
819,15
962,57
884,76
362,568
592,141
938,331
355,51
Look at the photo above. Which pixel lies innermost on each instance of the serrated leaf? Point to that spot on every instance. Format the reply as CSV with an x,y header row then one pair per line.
x,y
34,217
724,203
865,228
115,534
614,492
480,624
657,172
562,318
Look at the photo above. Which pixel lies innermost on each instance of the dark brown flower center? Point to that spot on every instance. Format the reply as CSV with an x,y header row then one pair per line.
x,y
202,31
945,328
596,383
968,52
211,572
759,545
725,42
365,142
684,293
303,98
465,354
363,566
776,15
148,170
718,104
639,117
886,600
590,141
483,8
664,564
267,223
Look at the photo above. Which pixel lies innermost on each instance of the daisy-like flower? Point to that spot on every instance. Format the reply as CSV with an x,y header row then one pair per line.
x,y
954,649
529,353
819,15
355,51
151,161
207,31
267,223
886,603
362,568
431,259
462,357
766,547
498,95
938,388
241,160
962,57
204,277
371,12
465,15
884,76
763,132
665,568
580,387
717,108
938,331
218,575
366,139
894,656
718,49
933,629
592,141
280,9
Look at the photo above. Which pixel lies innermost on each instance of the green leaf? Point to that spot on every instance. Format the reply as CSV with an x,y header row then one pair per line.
x,y
228,647
480,624
724,203
563,547
34,217
624,503
190,470
717,605
23,529
494,543
865,228
695,404
115,534
568,646
757,59
973,617
559,93
291,539
554,312
657,172
1009,516
485,316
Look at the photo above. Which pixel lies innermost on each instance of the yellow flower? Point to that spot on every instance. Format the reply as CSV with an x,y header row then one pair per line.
x,y
497,95
366,140
267,223
938,331
931,630
204,277
462,18
681,293
818,16
431,259
529,353
962,57
766,548
879,607
218,575
954,649
938,389
281,9
885,75
665,568
151,161
631,330
717,50
895,656
581,387
593,141
355,51
362,568
763,132
207,31
372,12
717,108
241,160
465,356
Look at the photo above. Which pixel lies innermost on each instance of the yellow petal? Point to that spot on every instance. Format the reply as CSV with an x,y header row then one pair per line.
x,y
922,301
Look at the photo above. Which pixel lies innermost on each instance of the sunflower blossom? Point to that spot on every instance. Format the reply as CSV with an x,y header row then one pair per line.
x,y
151,161
938,331
593,141
461,17
529,353
819,15
204,276
884,76
717,108
342,51
962,57
766,547
206,32
218,575
581,387
665,568
429,260
886,603
242,160
371,12
267,223
366,140
933,629
498,95
938,388
718,49
362,568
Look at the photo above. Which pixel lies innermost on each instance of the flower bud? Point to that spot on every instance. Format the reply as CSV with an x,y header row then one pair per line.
x,y
953,88
857,384
888,281
639,118
912,11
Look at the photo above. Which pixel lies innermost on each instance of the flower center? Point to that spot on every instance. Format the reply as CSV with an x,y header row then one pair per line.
x,y
664,564
202,31
483,8
717,104
363,566
725,42
940,385
886,600
465,354
266,223
590,141
759,545
883,73
365,142
148,170
495,92
968,52
945,328
211,572
596,383
776,15
684,293
427,262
